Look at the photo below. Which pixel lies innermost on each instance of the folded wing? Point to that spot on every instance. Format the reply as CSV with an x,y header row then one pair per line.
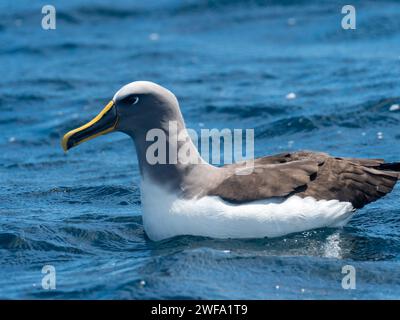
x,y
359,181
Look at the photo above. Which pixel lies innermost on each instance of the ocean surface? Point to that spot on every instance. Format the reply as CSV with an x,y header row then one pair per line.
x,y
232,64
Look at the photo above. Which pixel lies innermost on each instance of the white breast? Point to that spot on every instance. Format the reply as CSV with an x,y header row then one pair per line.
x,y
165,215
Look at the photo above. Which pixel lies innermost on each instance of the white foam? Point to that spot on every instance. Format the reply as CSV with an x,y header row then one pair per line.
x,y
332,247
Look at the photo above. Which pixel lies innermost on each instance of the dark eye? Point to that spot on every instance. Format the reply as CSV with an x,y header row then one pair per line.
x,y
131,100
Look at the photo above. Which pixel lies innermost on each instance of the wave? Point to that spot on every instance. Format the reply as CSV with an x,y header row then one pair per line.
x,y
16,242
92,192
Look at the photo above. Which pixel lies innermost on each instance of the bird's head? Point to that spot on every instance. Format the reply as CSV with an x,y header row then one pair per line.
x,y
135,108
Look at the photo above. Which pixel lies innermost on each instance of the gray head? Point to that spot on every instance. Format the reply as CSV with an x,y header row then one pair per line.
x,y
136,108
144,105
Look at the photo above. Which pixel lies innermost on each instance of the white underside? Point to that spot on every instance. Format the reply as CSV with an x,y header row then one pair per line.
x,y
165,215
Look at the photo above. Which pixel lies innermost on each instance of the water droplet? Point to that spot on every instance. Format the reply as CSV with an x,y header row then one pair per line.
x,y
291,96
291,21
154,36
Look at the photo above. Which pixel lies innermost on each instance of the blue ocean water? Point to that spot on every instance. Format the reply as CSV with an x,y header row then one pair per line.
x,y
231,64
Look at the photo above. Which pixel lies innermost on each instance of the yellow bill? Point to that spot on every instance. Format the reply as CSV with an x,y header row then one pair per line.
x,y
105,122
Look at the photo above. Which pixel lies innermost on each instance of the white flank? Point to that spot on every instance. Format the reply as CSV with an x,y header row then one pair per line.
x,y
165,215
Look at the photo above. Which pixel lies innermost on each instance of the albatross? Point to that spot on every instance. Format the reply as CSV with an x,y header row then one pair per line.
x,y
283,194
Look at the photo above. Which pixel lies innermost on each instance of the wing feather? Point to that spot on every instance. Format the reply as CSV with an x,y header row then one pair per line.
x,y
318,175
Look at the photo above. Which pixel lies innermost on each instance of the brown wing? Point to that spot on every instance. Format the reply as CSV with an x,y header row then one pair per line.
x,y
357,181
319,175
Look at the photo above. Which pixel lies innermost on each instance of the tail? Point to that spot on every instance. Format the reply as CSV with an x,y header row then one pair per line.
x,y
382,176
390,166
